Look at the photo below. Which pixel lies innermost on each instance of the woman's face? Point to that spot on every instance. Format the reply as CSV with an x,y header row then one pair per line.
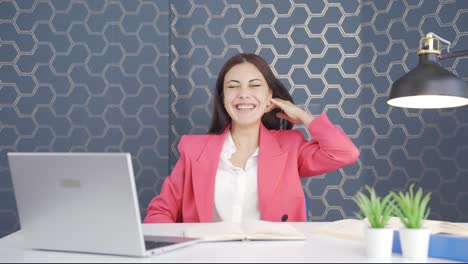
x,y
246,94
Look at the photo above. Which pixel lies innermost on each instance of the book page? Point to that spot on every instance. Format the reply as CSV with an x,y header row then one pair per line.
x,y
444,227
265,230
436,226
249,230
353,229
219,231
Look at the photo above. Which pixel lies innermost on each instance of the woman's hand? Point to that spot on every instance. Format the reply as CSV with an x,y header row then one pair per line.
x,y
290,112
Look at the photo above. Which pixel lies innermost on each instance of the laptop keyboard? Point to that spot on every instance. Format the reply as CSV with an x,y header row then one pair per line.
x,y
156,244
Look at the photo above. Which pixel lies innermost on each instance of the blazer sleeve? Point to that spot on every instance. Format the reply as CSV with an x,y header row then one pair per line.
x,y
166,207
329,150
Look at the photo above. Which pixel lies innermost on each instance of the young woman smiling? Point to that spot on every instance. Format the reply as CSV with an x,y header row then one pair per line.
x,y
248,166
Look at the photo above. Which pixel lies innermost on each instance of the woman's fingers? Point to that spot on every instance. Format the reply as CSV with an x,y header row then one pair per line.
x,y
281,103
270,107
285,116
292,112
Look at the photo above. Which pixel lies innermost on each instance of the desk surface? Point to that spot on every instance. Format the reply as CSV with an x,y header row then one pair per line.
x,y
317,248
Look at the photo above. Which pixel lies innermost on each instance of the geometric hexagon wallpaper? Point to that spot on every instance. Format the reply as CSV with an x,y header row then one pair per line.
x,y
84,76
338,57
133,76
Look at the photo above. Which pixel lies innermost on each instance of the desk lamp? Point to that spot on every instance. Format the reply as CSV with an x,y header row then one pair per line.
x,y
429,85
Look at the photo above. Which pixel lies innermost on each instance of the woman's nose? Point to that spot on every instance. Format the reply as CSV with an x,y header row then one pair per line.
x,y
244,93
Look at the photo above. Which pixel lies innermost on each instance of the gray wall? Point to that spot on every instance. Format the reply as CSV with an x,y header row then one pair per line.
x,y
338,57
84,76
134,76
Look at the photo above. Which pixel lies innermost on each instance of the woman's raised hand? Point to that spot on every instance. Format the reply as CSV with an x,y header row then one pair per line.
x,y
290,111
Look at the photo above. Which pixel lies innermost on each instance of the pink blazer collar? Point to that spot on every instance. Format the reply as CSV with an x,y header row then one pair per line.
x,y
271,162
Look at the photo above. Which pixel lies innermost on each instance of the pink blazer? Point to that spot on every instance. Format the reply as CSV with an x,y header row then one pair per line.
x,y
187,195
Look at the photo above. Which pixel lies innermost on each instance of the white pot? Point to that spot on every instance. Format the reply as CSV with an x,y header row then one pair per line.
x,y
379,242
415,243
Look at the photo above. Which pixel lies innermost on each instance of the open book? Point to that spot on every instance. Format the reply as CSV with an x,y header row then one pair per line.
x,y
353,229
249,230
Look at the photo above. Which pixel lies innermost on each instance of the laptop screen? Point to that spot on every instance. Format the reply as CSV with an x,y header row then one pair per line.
x,y
84,202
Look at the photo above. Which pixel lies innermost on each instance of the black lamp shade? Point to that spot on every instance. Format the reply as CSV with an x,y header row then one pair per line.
x,y
429,85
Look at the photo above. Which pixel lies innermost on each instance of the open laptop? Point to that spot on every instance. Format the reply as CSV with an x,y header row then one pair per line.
x,y
82,202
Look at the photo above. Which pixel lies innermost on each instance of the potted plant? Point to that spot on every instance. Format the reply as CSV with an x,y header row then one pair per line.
x,y
412,209
378,237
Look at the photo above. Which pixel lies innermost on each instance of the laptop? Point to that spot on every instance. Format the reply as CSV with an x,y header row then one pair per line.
x,y
82,202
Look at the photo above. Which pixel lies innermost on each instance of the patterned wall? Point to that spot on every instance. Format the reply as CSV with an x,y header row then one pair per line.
x,y
108,75
338,57
84,76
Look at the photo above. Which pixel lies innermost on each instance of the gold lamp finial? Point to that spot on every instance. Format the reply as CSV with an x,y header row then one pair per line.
x,y
429,44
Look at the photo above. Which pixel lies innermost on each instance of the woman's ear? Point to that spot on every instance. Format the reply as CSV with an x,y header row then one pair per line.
x,y
269,107
268,103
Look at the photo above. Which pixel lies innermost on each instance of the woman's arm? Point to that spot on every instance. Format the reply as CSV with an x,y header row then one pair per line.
x,y
165,208
329,150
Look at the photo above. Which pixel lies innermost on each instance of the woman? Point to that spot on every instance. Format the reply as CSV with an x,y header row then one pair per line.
x,y
249,165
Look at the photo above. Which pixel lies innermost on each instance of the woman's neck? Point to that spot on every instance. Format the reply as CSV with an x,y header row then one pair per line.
x,y
246,138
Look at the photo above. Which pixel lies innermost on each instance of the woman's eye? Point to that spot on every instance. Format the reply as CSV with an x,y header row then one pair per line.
x,y
255,85
232,86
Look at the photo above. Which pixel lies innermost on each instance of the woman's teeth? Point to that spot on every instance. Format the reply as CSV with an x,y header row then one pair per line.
x,y
245,106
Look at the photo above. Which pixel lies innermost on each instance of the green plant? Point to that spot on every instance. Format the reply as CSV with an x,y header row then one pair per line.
x,y
377,210
412,209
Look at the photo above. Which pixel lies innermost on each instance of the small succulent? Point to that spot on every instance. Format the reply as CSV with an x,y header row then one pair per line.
x,y
377,210
412,208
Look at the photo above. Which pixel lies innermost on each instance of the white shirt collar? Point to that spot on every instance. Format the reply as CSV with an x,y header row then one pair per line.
x,y
229,148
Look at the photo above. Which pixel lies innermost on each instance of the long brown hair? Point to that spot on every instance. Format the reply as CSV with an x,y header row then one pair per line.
x,y
221,118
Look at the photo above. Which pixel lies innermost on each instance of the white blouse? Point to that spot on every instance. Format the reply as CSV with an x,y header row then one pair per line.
x,y
236,193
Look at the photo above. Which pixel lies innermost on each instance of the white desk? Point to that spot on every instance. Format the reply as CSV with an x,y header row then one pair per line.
x,y
317,248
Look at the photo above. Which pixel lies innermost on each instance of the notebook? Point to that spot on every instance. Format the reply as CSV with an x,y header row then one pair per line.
x,y
353,229
248,230
82,202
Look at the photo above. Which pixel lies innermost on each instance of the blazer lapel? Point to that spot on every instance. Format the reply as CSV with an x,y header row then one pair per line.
x,y
204,174
271,163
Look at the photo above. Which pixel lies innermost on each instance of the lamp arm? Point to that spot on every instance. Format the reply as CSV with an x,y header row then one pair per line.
x,y
454,54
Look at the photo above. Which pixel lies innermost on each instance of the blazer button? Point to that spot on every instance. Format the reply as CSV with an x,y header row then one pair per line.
x,y
284,218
